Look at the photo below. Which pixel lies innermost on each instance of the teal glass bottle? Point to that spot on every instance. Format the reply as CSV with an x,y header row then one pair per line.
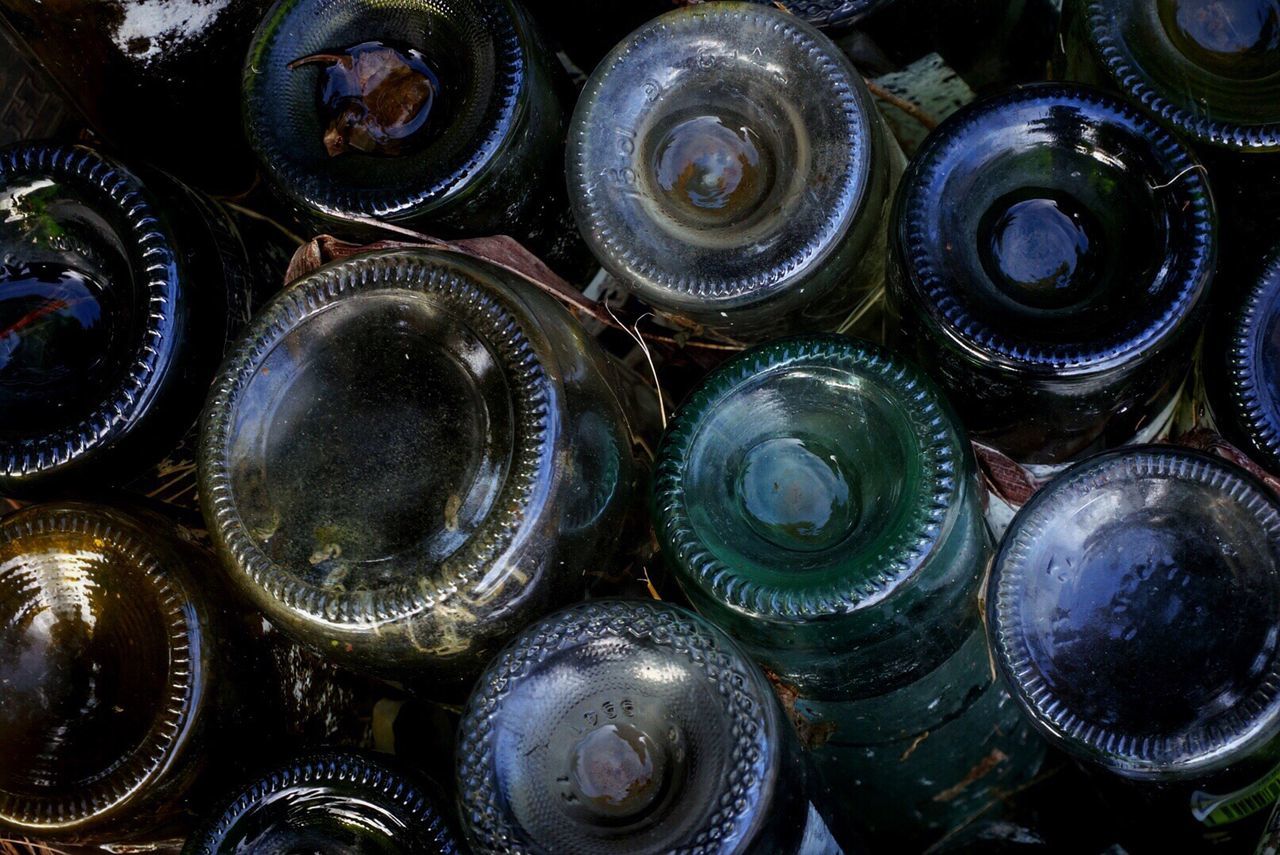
x,y
1052,254
439,116
333,802
817,498
119,289
1132,610
631,727
409,456
727,165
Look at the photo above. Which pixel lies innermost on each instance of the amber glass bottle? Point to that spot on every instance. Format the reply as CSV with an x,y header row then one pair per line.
x,y
409,456
114,664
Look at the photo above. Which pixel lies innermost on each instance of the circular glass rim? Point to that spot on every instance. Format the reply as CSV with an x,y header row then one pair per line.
x,y
151,255
171,726
932,289
941,454
1135,756
456,282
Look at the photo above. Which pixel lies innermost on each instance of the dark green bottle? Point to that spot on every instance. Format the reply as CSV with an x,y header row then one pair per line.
x,y
1052,250
1208,69
817,499
460,133
118,292
1132,610
409,456
631,727
333,802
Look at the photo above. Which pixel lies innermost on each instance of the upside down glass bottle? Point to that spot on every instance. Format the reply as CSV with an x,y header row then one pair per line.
x,y
1052,252
1207,69
630,727
331,802
409,456
726,164
1240,366
817,499
115,672
118,292
441,115
131,684
1133,612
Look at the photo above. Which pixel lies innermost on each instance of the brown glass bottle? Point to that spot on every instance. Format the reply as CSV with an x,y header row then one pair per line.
x,y
113,667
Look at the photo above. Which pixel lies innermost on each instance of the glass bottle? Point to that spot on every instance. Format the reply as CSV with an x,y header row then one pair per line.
x,y
118,291
817,499
727,165
1238,365
409,456
619,726
1132,611
460,131
113,667
1205,68
330,801
156,79
1052,251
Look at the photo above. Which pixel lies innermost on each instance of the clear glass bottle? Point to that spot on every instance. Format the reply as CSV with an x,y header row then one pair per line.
x,y
817,499
460,131
1132,610
332,802
410,456
113,672
1052,252
118,292
1239,363
727,164
618,727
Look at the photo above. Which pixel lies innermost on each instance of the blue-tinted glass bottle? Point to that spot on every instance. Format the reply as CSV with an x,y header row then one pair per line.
x,y
1133,611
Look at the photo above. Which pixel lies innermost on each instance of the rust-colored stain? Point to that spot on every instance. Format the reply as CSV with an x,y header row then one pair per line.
x,y
911,749
984,767
813,734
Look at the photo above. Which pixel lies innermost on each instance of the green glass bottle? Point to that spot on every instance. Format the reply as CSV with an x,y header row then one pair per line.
x,y
438,116
817,498
631,727
728,166
1207,69
409,456
332,802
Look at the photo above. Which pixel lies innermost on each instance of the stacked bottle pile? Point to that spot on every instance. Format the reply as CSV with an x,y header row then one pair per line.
x,y
502,426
